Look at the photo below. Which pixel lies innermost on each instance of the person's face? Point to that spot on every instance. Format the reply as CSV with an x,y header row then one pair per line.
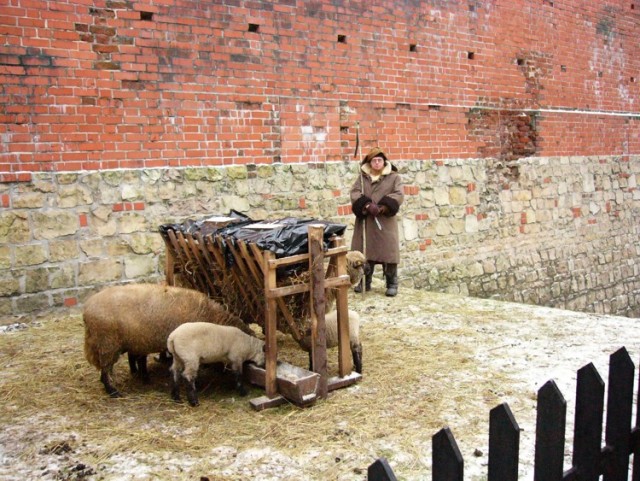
x,y
377,164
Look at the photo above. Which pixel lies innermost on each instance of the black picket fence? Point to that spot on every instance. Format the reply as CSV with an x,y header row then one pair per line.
x,y
589,459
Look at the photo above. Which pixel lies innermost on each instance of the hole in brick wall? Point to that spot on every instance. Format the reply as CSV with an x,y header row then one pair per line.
x,y
600,73
520,61
563,68
342,39
633,6
471,55
632,79
433,107
472,8
344,130
147,16
254,27
413,47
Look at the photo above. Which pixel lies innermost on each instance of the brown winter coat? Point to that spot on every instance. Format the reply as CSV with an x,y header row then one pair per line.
x,y
383,245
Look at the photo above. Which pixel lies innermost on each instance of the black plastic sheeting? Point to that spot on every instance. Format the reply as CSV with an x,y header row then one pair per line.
x,y
288,239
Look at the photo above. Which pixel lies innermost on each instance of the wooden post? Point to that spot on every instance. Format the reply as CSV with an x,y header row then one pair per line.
x,y
270,321
345,363
318,302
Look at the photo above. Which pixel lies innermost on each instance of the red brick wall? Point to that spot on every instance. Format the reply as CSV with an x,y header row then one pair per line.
x,y
125,84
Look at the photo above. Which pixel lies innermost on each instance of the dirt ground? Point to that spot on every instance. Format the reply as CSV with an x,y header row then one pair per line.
x,y
430,361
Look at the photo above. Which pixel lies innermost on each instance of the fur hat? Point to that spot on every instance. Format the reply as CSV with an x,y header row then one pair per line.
x,y
375,152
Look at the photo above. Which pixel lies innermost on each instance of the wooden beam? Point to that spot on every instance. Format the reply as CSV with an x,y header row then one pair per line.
x,y
285,261
345,362
318,301
299,288
271,345
264,402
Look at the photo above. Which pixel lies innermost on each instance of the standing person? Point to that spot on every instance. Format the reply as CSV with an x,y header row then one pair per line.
x,y
376,197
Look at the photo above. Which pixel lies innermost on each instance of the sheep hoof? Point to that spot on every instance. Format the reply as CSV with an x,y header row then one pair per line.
x,y
114,394
192,397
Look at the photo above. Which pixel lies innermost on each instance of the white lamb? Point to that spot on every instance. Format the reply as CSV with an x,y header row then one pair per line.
x,y
331,335
194,343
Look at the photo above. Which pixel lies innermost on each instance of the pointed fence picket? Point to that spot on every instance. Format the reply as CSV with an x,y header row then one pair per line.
x,y
589,461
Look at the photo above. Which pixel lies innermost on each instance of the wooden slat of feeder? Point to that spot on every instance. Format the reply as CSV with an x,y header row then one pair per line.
x,y
250,269
217,248
169,265
191,263
271,345
256,271
254,268
182,259
216,263
241,264
257,254
194,244
231,278
282,306
299,288
285,261
213,270
251,274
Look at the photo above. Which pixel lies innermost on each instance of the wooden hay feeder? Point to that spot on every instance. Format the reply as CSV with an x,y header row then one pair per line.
x,y
228,259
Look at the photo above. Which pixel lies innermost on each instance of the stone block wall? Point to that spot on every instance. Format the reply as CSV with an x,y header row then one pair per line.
x,y
558,231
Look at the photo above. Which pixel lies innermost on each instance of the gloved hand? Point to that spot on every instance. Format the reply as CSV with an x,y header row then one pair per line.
x,y
383,210
373,209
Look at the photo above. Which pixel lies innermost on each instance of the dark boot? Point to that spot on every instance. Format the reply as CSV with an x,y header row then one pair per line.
x,y
391,275
368,277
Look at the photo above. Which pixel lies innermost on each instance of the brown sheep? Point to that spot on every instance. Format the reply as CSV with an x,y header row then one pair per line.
x,y
138,318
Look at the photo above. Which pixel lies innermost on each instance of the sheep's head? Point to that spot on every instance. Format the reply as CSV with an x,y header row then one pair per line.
x,y
259,355
355,266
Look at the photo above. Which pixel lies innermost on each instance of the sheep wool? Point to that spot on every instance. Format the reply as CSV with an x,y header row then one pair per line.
x,y
138,318
194,343
331,335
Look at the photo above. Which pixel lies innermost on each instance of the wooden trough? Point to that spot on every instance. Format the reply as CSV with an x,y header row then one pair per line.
x,y
295,384
229,260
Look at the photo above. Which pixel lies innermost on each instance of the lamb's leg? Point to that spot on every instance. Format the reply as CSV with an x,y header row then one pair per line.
x,y
190,373
105,377
237,376
192,393
356,353
175,382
